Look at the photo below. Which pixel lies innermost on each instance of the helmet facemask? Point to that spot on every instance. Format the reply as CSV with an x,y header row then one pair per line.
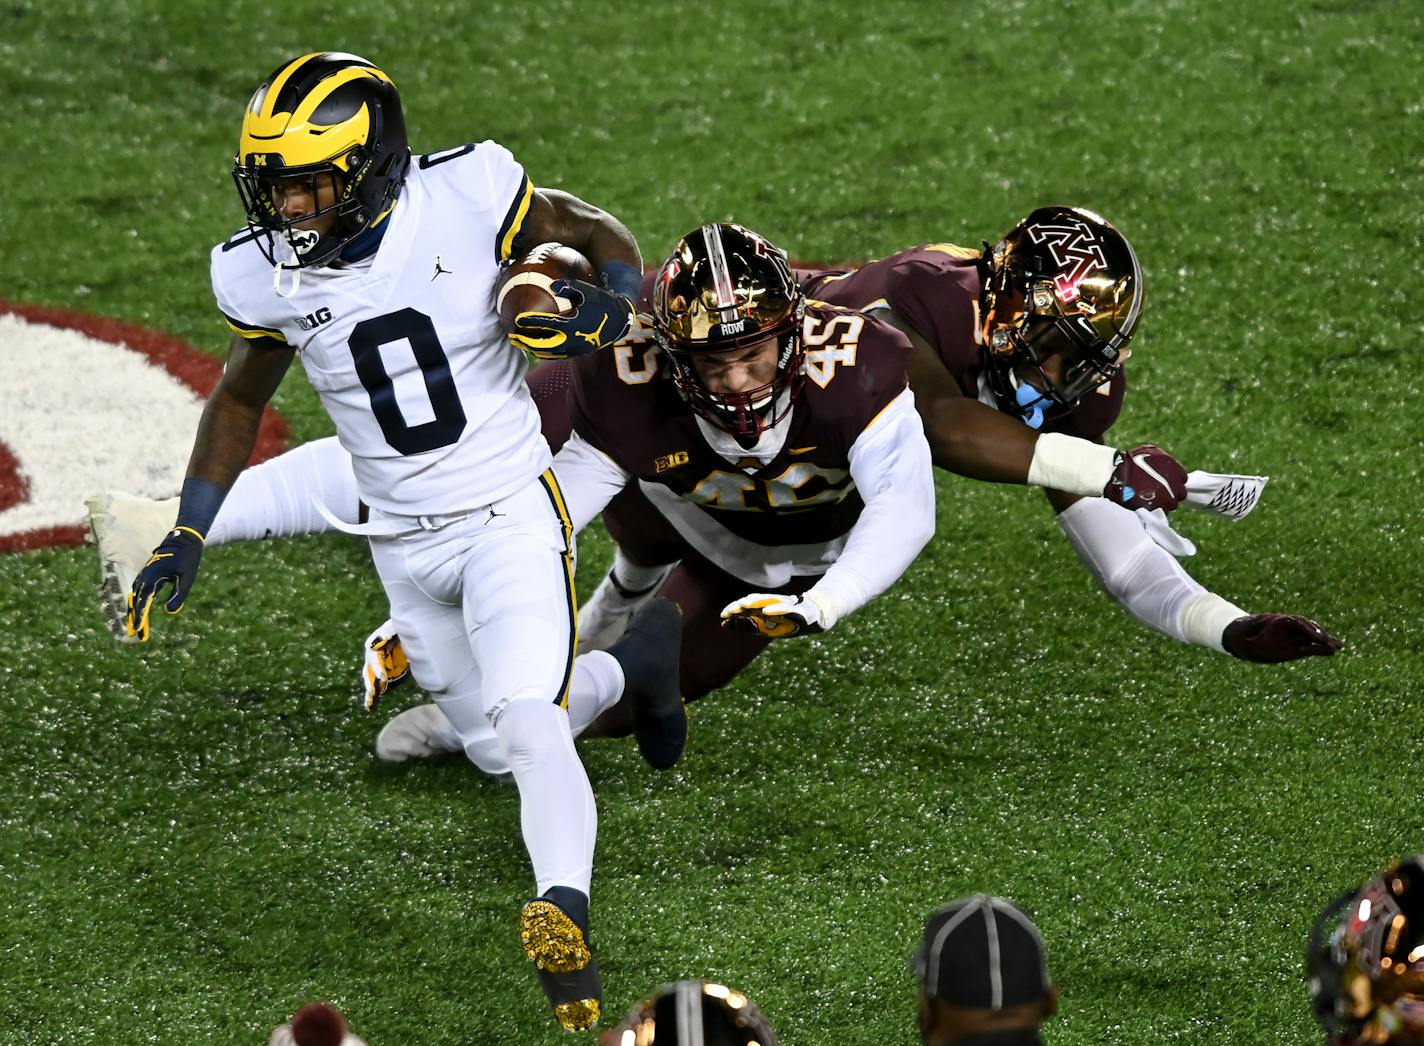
x,y
1060,304
725,290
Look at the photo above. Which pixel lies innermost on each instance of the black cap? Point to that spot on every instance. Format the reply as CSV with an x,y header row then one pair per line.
x,y
983,953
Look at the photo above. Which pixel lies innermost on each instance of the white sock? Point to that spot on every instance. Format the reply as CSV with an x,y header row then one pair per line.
x,y
597,685
274,499
632,577
556,808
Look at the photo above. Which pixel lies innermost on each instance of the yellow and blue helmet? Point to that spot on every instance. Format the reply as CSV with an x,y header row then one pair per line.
x,y
325,115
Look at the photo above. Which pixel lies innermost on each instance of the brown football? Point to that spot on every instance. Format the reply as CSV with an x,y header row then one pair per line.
x,y
526,285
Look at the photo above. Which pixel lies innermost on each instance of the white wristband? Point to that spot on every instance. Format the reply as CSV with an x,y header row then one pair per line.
x,y
1206,618
831,607
1070,464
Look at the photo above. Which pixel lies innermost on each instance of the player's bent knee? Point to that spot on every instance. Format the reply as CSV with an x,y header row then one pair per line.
x,y
533,732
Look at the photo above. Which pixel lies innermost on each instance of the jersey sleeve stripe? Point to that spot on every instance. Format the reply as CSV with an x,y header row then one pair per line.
x,y
513,221
252,330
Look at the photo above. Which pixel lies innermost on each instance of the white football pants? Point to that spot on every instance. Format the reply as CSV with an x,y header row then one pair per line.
x,y
484,604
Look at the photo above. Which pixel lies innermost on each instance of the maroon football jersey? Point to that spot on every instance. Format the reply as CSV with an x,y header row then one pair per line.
x,y
626,405
935,288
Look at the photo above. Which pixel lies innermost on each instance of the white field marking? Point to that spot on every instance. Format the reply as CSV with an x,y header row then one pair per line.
x,y
83,416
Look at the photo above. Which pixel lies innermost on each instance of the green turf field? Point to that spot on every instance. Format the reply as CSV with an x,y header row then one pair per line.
x,y
195,835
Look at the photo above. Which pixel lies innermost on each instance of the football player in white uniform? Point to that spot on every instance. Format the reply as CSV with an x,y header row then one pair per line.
x,y
377,269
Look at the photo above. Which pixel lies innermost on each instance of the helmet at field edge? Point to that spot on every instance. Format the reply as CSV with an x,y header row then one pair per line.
x,y
1061,283
725,288
325,115
1366,961
693,1012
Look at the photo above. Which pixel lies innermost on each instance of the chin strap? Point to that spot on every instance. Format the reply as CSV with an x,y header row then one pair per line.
x,y
295,269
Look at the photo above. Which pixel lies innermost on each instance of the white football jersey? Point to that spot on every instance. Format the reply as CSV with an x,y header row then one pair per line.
x,y
404,348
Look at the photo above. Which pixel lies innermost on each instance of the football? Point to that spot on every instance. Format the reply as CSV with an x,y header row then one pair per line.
x,y
527,285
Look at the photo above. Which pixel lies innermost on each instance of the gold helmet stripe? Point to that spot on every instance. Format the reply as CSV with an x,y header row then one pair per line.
x,y
292,134
279,82
269,99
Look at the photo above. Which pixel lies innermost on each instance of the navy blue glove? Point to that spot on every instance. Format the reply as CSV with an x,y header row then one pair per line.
x,y
1147,477
599,318
173,563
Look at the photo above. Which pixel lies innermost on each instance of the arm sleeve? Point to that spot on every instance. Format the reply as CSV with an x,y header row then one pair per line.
x,y
233,313
588,478
890,463
494,183
1145,579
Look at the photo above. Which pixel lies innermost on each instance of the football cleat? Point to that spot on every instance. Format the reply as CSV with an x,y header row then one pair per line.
x,y
125,530
553,930
648,653
421,732
605,616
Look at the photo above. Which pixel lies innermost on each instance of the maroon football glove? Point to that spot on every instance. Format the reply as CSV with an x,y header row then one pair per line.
x,y
1272,638
1147,477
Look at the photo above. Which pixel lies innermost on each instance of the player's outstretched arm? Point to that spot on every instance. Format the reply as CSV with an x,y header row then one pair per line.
x,y
227,432
602,313
974,440
1151,585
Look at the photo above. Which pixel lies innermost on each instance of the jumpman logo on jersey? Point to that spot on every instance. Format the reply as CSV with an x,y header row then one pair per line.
x,y
493,515
592,339
439,269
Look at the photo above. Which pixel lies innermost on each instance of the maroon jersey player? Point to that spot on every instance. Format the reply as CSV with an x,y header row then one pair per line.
x,y
1018,358
767,447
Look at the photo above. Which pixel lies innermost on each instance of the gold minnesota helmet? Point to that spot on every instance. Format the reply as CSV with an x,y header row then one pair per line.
x,y
1061,283
325,115
1366,961
722,289
693,1013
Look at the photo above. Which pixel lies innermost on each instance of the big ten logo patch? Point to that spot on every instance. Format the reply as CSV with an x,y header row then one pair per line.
x,y
95,405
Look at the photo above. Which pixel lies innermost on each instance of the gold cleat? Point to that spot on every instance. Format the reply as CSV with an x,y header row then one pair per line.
x,y
578,1016
558,946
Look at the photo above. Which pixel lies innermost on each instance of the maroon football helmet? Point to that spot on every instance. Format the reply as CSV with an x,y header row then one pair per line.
x,y
694,1012
1366,961
1061,301
725,288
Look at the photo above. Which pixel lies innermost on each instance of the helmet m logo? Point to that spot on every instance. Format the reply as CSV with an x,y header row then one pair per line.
x,y
1076,252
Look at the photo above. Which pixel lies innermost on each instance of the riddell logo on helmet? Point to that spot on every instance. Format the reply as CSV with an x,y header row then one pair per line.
x,y
1075,250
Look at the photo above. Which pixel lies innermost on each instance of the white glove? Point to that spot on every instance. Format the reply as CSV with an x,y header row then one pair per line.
x,y
778,617
1224,495
386,665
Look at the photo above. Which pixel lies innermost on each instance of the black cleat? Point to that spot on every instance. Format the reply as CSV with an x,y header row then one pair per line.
x,y
553,929
649,655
